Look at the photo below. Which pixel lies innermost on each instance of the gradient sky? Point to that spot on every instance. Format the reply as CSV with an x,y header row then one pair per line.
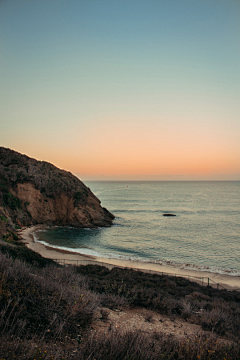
x,y
123,89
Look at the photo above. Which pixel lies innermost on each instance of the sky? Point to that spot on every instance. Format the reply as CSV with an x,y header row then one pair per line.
x,y
123,89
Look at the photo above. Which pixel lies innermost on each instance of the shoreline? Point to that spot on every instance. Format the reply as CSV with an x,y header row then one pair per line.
x,y
227,281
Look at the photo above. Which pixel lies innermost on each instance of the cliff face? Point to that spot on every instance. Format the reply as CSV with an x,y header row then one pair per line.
x,y
37,192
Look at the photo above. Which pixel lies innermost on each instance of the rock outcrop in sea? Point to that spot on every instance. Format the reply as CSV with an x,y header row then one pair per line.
x,y
37,192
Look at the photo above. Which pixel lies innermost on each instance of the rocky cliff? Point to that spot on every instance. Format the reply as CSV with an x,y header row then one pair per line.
x,y
37,192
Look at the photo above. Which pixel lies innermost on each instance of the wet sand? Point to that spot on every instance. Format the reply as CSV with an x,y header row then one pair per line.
x,y
227,281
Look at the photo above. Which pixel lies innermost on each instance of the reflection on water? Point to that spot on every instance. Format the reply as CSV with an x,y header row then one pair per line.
x,y
205,231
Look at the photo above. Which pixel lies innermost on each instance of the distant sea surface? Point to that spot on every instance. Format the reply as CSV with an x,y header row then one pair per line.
x,y
204,234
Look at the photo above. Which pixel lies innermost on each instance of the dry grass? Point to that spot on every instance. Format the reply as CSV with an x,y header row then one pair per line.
x,y
121,346
46,313
215,310
50,303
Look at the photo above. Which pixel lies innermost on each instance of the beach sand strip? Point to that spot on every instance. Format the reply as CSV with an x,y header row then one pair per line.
x,y
226,281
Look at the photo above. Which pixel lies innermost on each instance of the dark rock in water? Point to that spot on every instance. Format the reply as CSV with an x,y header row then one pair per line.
x,y
37,192
169,214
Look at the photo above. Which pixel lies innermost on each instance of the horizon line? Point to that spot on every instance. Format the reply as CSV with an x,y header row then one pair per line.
x,y
142,180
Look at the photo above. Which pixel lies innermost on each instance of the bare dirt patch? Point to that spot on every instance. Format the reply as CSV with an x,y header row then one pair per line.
x,y
143,320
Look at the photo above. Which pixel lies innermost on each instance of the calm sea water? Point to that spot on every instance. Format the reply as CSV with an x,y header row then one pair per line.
x,y
204,234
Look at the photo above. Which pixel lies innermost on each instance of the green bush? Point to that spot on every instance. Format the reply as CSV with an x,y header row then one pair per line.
x,y
12,201
3,218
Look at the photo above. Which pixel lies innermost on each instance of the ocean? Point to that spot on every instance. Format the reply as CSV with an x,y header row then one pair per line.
x,y
204,234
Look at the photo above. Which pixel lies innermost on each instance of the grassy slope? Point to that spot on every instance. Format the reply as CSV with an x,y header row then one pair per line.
x,y
46,312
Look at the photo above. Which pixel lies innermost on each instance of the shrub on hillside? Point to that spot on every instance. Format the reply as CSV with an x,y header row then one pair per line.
x,y
49,302
22,253
215,310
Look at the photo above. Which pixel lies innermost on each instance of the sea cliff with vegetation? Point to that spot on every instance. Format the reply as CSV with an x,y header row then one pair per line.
x,y
37,192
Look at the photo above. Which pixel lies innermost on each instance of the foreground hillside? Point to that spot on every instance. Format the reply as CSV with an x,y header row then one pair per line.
x,y
89,312
37,192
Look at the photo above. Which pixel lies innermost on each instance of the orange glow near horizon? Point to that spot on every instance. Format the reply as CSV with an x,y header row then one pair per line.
x,y
140,165
138,151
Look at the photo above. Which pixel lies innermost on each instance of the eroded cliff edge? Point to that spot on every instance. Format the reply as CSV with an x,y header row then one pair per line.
x,y
37,192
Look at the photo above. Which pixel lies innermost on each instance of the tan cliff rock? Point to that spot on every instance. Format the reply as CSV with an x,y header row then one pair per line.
x,y
37,192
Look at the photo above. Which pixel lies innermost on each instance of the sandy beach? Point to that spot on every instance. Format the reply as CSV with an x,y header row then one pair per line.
x,y
227,281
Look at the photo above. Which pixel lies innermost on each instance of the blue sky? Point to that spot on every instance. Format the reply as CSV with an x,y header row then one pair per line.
x,y
123,89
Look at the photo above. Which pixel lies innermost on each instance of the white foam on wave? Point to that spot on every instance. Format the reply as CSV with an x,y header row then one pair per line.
x,y
42,230
168,263
202,268
82,251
